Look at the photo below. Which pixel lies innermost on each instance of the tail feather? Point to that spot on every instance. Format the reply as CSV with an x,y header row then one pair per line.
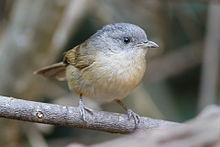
x,y
56,70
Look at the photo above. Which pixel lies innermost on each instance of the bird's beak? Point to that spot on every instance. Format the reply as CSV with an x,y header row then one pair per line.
x,y
151,44
148,44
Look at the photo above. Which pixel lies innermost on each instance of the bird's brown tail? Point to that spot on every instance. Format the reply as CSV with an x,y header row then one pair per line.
x,y
57,71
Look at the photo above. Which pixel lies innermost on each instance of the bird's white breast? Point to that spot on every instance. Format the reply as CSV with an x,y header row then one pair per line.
x,y
111,76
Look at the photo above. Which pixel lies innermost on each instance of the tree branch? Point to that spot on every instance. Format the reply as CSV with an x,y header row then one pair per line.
x,y
70,116
202,131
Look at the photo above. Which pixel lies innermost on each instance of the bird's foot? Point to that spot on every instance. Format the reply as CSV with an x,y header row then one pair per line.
x,y
135,116
82,108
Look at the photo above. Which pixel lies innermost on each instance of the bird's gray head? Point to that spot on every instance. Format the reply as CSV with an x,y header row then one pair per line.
x,y
122,37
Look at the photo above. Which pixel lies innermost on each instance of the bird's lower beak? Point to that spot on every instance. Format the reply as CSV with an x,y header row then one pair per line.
x,y
148,44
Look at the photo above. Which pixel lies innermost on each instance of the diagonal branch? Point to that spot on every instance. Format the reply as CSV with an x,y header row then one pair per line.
x,y
70,116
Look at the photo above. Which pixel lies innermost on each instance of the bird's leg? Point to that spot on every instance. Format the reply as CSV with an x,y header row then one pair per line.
x,y
129,112
82,108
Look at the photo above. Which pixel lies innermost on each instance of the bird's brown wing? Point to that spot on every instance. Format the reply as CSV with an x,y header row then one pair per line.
x,y
80,57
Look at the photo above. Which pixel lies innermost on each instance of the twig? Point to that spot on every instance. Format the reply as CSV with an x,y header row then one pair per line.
x,y
31,36
69,23
211,59
174,63
70,116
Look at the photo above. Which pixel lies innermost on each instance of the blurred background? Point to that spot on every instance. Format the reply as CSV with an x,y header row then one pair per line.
x,y
182,76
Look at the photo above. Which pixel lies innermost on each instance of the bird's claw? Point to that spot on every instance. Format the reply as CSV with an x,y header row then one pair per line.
x,y
135,116
82,108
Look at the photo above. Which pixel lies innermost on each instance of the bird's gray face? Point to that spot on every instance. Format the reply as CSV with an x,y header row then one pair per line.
x,y
123,37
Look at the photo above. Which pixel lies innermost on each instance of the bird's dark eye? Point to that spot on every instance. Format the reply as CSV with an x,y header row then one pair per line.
x,y
126,40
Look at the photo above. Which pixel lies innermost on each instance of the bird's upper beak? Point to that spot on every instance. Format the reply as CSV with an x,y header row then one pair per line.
x,y
148,44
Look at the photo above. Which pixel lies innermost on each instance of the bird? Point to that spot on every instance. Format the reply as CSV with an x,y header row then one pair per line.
x,y
109,65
